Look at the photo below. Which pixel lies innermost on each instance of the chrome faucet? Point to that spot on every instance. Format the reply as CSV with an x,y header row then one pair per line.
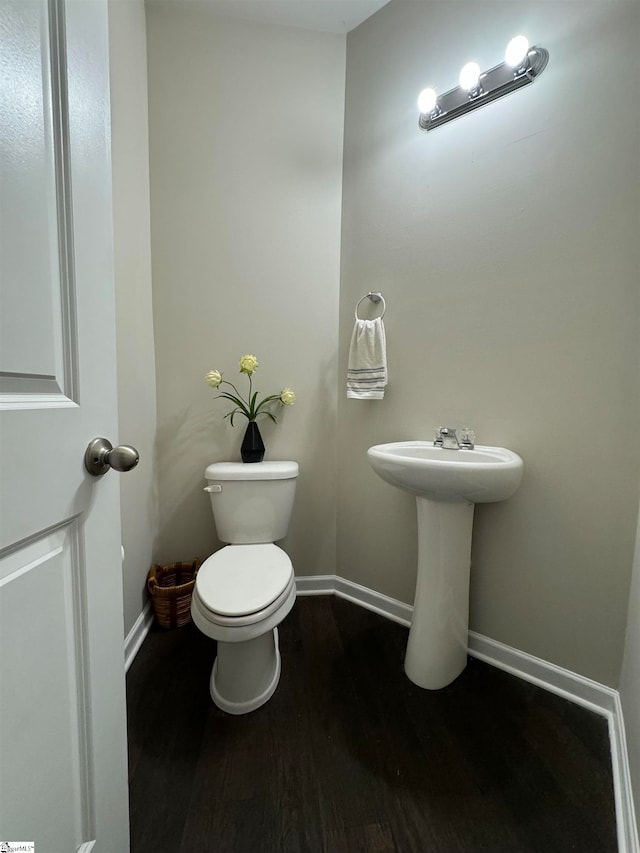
x,y
446,437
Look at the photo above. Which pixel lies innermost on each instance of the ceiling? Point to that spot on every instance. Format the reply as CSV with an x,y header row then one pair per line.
x,y
329,16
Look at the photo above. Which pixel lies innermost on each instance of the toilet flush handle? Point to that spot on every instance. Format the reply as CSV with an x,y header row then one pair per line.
x,y
215,488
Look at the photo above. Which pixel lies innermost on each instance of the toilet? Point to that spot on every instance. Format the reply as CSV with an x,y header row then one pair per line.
x,y
244,590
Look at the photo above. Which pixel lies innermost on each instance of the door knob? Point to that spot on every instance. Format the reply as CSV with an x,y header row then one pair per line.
x,y
102,455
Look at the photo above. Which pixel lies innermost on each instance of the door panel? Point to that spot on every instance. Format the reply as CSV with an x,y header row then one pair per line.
x,y
63,779
34,240
46,681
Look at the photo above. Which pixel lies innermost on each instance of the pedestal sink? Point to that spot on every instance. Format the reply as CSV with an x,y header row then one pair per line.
x,y
447,485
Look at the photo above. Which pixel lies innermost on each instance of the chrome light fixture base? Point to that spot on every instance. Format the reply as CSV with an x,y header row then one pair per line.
x,y
493,84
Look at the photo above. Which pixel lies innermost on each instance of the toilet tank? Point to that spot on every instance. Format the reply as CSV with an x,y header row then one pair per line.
x,y
251,502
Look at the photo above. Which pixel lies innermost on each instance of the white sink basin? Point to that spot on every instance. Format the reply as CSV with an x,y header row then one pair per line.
x,y
481,475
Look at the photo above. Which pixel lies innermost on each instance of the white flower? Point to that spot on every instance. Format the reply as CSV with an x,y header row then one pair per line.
x,y
287,396
214,378
248,364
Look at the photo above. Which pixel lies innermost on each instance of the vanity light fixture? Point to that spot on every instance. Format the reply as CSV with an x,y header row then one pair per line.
x,y
522,64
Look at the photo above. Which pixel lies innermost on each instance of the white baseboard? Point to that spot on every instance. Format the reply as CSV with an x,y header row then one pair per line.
x,y
395,610
392,609
628,839
136,635
576,688
316,585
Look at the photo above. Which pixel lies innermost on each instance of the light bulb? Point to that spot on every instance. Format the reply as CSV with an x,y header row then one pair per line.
x,y
427,100
469,76
516,51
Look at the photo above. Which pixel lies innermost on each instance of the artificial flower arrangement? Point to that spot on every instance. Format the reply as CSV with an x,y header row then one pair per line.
x,y
250,407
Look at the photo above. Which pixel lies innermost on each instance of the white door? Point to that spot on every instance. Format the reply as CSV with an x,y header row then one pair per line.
x,y
63,777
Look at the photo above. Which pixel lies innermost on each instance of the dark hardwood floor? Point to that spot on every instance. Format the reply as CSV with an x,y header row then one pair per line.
x,y
350,757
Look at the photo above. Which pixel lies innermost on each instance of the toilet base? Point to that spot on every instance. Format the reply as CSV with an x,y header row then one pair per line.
x,y
245,675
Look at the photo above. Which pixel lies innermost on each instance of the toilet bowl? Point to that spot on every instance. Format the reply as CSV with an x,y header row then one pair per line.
x,y
244,590
243,594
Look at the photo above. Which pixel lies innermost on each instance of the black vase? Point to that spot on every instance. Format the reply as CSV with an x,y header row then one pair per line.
x,y
252,447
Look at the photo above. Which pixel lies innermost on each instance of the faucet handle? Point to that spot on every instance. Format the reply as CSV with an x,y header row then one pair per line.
x,y
468,438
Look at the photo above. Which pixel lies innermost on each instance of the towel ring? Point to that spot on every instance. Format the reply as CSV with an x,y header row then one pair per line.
x,y
374,297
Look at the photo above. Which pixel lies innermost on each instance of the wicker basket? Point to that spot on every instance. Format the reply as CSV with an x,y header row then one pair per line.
x,y
170,588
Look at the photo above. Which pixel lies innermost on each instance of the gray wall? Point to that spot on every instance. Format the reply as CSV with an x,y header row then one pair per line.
x,y
506,245
246,124
134,321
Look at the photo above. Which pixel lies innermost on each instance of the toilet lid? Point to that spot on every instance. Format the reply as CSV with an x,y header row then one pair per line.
x,y
242,579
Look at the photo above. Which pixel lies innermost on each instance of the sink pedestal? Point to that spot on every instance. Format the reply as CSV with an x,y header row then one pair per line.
x,y
447,484
437,647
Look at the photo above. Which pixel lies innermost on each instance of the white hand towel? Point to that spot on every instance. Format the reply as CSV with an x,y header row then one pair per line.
x,y
367,368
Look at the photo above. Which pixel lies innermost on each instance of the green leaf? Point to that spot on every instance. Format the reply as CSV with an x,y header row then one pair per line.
x,y
241,406
252,404
226,382
231,415
267,400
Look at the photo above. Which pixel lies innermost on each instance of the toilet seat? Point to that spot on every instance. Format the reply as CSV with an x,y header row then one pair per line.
x,y
239,629
243,584
232,624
